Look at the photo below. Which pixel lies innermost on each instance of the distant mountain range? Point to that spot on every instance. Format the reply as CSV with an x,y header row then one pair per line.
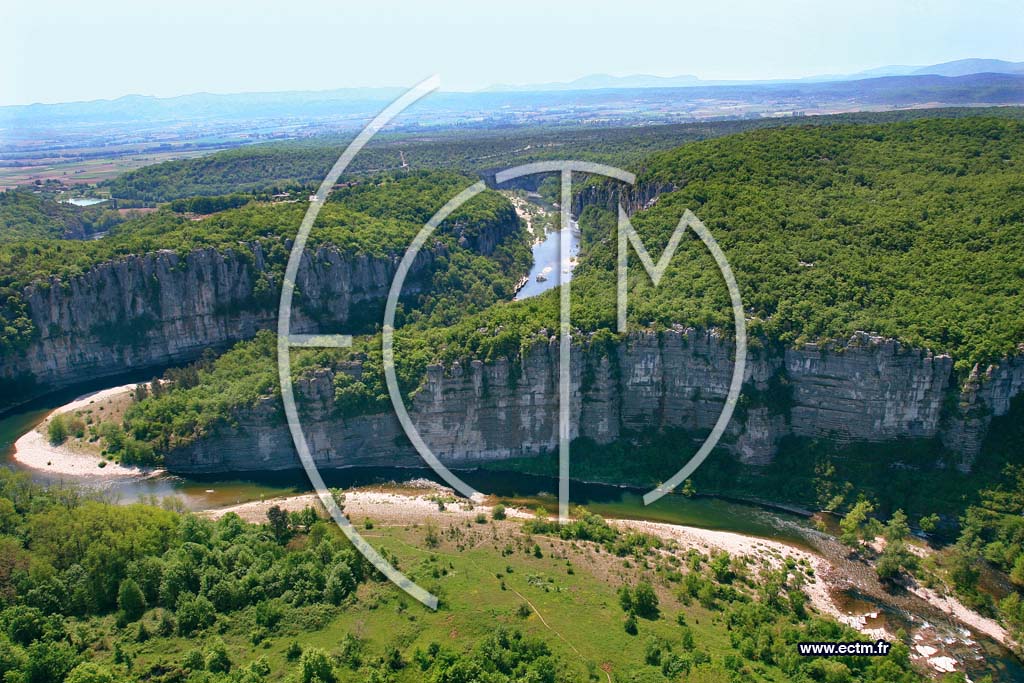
x,y
206,119
960,67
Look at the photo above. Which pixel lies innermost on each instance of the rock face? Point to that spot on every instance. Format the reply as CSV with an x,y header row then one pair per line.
x,y
986,394
163,308
868,389
160,309
610,195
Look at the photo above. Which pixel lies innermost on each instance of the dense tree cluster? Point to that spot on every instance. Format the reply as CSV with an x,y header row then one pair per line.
x,y
25,215
909,230
992,534
382,220
69,559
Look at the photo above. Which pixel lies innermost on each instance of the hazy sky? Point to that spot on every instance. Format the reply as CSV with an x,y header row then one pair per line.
x,y
65,50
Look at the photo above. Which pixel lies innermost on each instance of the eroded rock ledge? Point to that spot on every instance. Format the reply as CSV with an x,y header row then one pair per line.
x,y
867,389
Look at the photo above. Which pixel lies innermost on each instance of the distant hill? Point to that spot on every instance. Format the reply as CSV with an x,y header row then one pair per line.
x,y
965,67
960,67
604,82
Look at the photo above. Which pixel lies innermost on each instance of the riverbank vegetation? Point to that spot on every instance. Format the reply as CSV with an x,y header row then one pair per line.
x,y
94,592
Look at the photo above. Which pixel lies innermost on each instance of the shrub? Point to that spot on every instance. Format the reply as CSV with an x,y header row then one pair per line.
x,y
294,651
193,660
217,660
315,667
57,430
130,600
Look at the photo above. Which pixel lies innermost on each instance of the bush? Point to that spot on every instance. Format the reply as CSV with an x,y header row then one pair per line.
x,y
498,512
315,667
194,613
294,651
217,660
57,430
193,660
130,600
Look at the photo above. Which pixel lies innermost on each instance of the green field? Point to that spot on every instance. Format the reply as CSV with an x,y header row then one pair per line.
x,y
139,593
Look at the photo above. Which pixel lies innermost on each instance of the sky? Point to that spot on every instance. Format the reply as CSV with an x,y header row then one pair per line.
x,y
69,50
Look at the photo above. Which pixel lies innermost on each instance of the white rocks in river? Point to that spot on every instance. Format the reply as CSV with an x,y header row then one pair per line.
x,y
943,664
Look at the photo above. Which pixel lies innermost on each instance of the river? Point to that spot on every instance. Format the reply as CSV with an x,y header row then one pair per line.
x,y
549,270
980,656
206,492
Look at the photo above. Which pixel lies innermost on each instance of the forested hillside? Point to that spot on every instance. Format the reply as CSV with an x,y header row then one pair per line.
x,y
384,222
26,215
912,230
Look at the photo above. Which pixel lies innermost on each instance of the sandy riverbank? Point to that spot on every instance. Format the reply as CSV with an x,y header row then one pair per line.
x,y
34,450
412,505
775,552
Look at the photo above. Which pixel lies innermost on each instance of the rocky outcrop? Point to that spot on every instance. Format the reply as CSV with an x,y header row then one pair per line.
x,y
867,389
986,394
165,308
611,195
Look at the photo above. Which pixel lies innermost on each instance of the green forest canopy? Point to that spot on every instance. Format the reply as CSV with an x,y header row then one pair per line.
x,y
912,230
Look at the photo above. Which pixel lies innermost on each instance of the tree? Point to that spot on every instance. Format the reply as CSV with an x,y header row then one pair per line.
x,y
645,600
49,661
897,529
340,584
895,559
90,672
929,523
24,624
130,600
1017,573
315,667
194,613
854,524
278,520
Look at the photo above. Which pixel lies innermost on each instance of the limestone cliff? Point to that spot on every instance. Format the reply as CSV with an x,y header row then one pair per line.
x,y
164,308
867,389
